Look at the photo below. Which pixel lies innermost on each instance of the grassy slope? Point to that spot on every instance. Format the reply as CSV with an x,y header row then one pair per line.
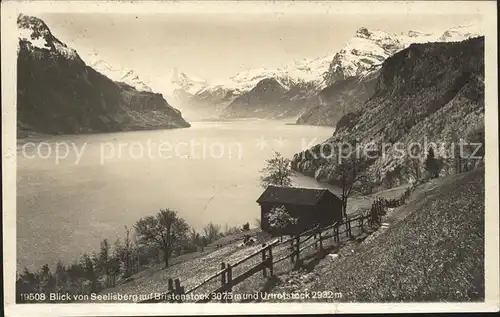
x,y
190,268
434,253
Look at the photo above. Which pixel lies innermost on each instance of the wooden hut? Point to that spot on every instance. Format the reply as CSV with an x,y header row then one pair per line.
x,y
310,206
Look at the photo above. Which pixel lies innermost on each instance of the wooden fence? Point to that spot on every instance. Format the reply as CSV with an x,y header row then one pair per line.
x,y
314,237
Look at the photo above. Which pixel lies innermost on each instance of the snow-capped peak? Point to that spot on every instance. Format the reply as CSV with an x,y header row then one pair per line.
x,y
306,70
188,83
366,50
124,75
461,32
35,33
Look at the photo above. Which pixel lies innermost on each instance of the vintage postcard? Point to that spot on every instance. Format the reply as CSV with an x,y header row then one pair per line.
x,y
178,157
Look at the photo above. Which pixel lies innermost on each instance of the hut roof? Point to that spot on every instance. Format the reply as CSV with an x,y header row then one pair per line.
x,y
294,195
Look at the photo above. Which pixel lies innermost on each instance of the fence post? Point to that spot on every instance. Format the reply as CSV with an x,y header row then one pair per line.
x,y
223,277
270,259
264,272
170,285
178,289
229,282
292,258
297,249
320,241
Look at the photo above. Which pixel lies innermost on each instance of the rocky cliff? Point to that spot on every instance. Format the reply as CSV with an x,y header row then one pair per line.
x,y
426,93
58,93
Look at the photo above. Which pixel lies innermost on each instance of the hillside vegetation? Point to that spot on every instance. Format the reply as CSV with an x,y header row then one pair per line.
x,y
435,252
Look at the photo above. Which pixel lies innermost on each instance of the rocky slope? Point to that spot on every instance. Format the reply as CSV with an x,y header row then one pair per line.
x,y
426,93
353,70
58,93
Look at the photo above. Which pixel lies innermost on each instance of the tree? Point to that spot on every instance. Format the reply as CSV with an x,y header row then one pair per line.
x,y
194,239
104,261
277,172
279,218
61,277
413,168
166,231
350,176
432,165
27,282
126,255
211,232
115,261
89,274
475,149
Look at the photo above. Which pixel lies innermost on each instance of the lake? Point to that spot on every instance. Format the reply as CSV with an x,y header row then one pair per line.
x,y
75,190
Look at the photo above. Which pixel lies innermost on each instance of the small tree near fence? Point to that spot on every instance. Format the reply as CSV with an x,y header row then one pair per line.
x,y
432,164
279,218
350,175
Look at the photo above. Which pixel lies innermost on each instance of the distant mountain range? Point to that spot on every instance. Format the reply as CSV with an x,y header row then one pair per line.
x,y
58,93
312,89
315,91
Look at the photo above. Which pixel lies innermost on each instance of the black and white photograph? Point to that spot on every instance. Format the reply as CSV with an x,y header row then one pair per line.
x,y
274,155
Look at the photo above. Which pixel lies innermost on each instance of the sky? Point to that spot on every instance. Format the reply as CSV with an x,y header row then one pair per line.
x,y
216,46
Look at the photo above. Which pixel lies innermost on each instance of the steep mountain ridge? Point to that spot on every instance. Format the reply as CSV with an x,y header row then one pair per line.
x,y
58,93
433,91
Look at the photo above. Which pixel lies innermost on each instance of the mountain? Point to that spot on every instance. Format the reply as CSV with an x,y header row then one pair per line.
x,y
353,70
459,33
58,93
338,99
307,70
227,98
321,90
123,75
363,53
431,92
